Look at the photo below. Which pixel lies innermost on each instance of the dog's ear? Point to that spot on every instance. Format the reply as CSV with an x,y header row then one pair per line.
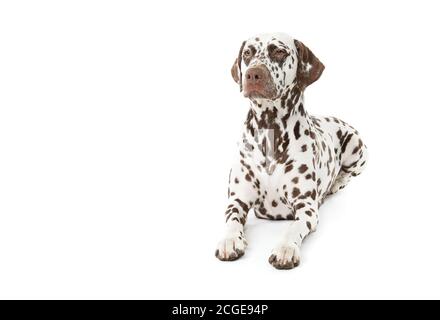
x,y
309,67
235,71
236,67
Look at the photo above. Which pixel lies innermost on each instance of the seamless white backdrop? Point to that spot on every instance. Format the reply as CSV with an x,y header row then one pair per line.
x,y
118,123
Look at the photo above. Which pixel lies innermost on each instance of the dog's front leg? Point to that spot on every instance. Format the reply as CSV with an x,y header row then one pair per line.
x,y
287,254
242,195
234,242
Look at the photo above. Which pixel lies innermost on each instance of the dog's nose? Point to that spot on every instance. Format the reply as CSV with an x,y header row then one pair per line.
x,y
257,74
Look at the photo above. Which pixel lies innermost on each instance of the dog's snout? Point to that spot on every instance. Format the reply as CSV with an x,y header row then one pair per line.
x,y
259,83
257,74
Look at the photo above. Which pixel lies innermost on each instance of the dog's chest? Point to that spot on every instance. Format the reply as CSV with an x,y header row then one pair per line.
x,y
276,156
272,153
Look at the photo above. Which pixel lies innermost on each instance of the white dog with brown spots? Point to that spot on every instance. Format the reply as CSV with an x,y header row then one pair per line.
x,y
288,161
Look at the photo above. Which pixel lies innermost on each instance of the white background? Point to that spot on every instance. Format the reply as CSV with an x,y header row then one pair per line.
x,y
118,123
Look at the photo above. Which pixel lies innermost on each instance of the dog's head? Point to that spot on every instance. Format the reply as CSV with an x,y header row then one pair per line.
x,y
268,64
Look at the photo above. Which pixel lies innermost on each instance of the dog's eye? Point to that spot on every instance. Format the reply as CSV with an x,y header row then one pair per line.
x,y
280,54
248,53
277,54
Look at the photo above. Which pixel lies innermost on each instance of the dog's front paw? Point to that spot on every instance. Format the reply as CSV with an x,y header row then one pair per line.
x,y
285,257
231,248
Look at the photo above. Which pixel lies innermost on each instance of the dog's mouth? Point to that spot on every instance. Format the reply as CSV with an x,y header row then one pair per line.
x,y
265,91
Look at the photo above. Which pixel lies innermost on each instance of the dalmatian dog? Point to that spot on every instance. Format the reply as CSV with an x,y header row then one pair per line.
x,y
288,161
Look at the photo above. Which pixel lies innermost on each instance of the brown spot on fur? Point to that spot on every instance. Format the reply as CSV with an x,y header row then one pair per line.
x,y
289,166
346,141
303,168
295,192
296,130
243,205
358,147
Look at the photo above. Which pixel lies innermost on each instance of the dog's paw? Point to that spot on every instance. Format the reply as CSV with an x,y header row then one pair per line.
x,y
339,184
285,257
231,248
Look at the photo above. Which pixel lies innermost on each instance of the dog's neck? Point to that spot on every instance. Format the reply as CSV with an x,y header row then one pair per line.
x,y
267,114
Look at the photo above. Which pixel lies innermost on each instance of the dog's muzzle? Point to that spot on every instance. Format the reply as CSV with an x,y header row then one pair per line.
x,y
258,83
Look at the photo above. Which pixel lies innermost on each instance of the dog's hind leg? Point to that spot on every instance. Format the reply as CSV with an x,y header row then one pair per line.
x,y
353,159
